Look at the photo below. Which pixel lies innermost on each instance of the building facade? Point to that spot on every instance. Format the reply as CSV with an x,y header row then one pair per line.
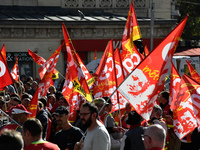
x,y
37,25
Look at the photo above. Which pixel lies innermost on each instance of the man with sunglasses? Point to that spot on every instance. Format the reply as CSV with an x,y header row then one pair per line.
x,y
97,137
69,135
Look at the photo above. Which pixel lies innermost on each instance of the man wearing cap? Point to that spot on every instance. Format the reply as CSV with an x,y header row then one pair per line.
x,y
116,132
97,137
19,115
69,135
32,135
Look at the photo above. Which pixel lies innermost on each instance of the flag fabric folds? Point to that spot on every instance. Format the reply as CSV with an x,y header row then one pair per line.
x,y
3,53
130,55
5,76
15,70
44,83
105,83
38,59
44,67
78,79
193,72
186,106
144,83
174,82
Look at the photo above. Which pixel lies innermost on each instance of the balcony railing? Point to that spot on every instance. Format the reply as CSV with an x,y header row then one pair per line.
x,y
104,3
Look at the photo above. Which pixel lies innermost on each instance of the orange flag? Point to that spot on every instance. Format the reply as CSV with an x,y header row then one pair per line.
x,y
15,70
50,61
143,84
130,55
174,82
193,72
46,81
146,51
43,85
95,55
38,59
105,83
78,79
186,106
132,30
3,52
88,77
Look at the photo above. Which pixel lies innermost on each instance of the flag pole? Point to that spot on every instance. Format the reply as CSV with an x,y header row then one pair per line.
x,y
1,111
152,24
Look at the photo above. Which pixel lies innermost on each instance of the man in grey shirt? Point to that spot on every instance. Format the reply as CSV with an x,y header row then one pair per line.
x,y
97,137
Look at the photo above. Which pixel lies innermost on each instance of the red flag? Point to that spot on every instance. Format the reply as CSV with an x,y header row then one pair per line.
x,y
95,55
44,84
186,106
5,76
119,77
3,53
119,67
88,77
78,79
46,81
174,82
72,97
141,87
15,70
130,59
33,105
130,55
146,51
193,72
38,59
54,57
132,30
105,83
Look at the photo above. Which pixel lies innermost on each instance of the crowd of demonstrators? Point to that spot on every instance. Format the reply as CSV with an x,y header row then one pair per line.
x,y
94,128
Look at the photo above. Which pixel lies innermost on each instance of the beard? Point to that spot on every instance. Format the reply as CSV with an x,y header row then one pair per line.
x,y
87,122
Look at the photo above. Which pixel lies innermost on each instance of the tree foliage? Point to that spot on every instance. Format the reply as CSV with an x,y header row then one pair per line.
x,y
192,28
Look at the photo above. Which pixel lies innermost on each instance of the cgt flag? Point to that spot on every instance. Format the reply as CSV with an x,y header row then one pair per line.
x,y
130,55
44,68
186,106
174,82
3,53
15,70
78,78
5,76
143,84
193,72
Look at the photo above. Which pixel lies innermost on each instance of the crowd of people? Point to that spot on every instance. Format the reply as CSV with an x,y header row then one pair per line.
x,y
95,128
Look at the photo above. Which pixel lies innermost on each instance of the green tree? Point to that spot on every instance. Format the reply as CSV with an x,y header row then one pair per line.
x,y
192,28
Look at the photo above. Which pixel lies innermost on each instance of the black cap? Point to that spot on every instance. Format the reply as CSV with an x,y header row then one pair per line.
x,y
61,110
133,118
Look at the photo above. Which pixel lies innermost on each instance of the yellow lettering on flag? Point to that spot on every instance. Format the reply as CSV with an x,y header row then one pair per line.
x,y
78,88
